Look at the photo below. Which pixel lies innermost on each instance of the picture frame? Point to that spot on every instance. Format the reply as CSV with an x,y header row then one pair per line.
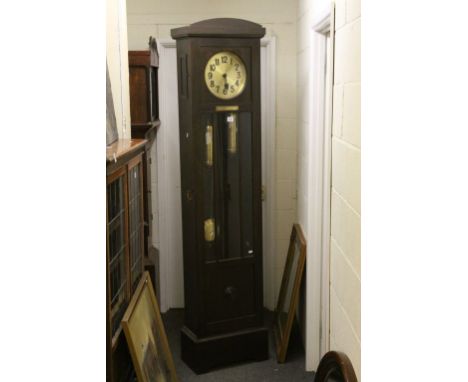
x,y
146,337
289,292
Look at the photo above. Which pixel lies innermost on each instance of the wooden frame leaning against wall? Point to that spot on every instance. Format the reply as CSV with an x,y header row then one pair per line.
x,y
289,292
146,337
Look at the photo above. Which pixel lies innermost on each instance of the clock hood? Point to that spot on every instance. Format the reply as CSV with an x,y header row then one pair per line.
x,y
220,27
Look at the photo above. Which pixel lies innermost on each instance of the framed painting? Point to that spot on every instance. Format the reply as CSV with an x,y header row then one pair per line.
x,y
146,337
289,291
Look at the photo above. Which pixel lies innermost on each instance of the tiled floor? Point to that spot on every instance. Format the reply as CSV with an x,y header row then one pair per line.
x,y
290,371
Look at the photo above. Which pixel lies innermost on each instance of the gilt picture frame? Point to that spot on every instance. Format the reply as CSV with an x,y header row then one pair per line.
x,y
289,292
146,337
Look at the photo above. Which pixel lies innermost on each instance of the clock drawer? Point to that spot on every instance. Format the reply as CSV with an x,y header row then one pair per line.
x,y
230,295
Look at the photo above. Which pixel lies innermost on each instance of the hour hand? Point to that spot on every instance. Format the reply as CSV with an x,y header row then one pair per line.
x,y
226,85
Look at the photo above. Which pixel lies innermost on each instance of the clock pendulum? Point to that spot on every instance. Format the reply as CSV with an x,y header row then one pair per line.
x,y
218,64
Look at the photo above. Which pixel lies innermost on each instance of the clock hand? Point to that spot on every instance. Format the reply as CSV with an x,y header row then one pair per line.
x,y
226,85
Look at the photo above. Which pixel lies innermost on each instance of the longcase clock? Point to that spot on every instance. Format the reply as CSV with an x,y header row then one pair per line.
x,y
218,63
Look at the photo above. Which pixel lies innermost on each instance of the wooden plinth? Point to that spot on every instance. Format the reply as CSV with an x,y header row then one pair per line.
x,y
205,354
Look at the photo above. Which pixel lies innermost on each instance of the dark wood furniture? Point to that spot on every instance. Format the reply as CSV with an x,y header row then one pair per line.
x,y
144,109
124,245
335,367
143,77
220,143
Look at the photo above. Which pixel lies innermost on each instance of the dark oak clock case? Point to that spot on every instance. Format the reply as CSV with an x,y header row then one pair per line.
x,y
221,199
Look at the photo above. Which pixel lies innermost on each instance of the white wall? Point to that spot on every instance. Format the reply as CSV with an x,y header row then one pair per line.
x,y
345,285
157,18
303,72
345,266
117,62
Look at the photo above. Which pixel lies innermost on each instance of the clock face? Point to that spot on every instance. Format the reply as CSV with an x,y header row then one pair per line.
x,y
225,75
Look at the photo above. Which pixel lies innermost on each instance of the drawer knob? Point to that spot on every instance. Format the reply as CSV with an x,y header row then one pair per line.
x,y
230,292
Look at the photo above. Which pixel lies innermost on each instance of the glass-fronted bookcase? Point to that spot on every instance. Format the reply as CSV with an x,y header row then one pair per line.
x,y
125,244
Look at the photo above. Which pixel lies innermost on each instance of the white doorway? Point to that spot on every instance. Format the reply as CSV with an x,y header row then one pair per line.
x,y
318,251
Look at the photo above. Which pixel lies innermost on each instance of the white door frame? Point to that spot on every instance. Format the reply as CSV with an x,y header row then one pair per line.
x,y
268,111
319,183
168,210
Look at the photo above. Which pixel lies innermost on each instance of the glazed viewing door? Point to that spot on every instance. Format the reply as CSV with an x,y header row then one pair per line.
x,y
227,182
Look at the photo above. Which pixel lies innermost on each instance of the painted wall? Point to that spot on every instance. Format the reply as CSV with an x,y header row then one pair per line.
x,y
345,280
117,62
304,14
345,246
157,18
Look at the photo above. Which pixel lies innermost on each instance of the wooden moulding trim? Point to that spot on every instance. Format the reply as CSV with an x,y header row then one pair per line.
x,y
135,161
116,174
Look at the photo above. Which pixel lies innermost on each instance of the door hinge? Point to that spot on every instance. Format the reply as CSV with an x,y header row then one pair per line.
x,y
263,192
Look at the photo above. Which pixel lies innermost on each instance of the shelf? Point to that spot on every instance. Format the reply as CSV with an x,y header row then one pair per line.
x,y
122,147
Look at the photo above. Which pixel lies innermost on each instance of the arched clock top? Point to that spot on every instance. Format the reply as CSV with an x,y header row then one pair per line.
x,y
220,27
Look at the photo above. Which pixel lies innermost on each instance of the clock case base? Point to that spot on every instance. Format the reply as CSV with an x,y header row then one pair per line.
x,y
207,353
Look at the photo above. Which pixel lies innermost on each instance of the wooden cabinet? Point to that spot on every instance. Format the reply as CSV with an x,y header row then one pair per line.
x,y
144,109
125,245
143,82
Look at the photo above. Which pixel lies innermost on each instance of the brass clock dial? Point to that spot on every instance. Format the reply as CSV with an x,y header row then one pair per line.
x,y
225,75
